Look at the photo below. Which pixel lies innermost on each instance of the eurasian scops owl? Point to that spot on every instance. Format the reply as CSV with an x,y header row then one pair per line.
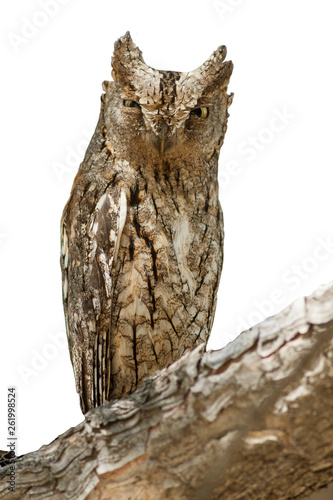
x,y
142,231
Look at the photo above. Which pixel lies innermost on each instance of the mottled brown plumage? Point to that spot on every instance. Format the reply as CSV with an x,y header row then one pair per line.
x,y
142,232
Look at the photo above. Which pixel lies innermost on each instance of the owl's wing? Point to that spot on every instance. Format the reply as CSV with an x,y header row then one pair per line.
x,y
90,245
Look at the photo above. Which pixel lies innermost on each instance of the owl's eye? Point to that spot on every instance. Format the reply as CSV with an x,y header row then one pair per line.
x,y
131,104
202,112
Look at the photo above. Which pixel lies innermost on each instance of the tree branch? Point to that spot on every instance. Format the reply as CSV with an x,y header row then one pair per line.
x,y
253,420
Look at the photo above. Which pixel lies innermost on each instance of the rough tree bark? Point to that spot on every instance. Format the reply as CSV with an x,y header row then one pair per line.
x,y
253,420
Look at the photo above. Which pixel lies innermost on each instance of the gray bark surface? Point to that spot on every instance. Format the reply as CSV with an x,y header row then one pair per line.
x,y
253,420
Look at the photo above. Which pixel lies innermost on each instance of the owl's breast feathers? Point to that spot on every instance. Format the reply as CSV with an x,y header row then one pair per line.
x,y
141,264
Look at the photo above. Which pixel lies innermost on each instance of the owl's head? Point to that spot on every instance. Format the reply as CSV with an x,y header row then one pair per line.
x,y
148,112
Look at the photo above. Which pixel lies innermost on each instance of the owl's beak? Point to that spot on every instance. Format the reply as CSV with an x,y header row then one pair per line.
x,y
161,138
162,146
163,141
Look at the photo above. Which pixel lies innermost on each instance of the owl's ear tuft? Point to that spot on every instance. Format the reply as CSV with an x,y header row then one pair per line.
x,y
214,73
216,70
127,58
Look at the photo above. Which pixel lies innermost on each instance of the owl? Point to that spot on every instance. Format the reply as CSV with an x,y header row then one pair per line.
x,y
142,231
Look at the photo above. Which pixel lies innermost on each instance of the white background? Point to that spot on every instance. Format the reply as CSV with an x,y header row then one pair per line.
x,y
275,173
